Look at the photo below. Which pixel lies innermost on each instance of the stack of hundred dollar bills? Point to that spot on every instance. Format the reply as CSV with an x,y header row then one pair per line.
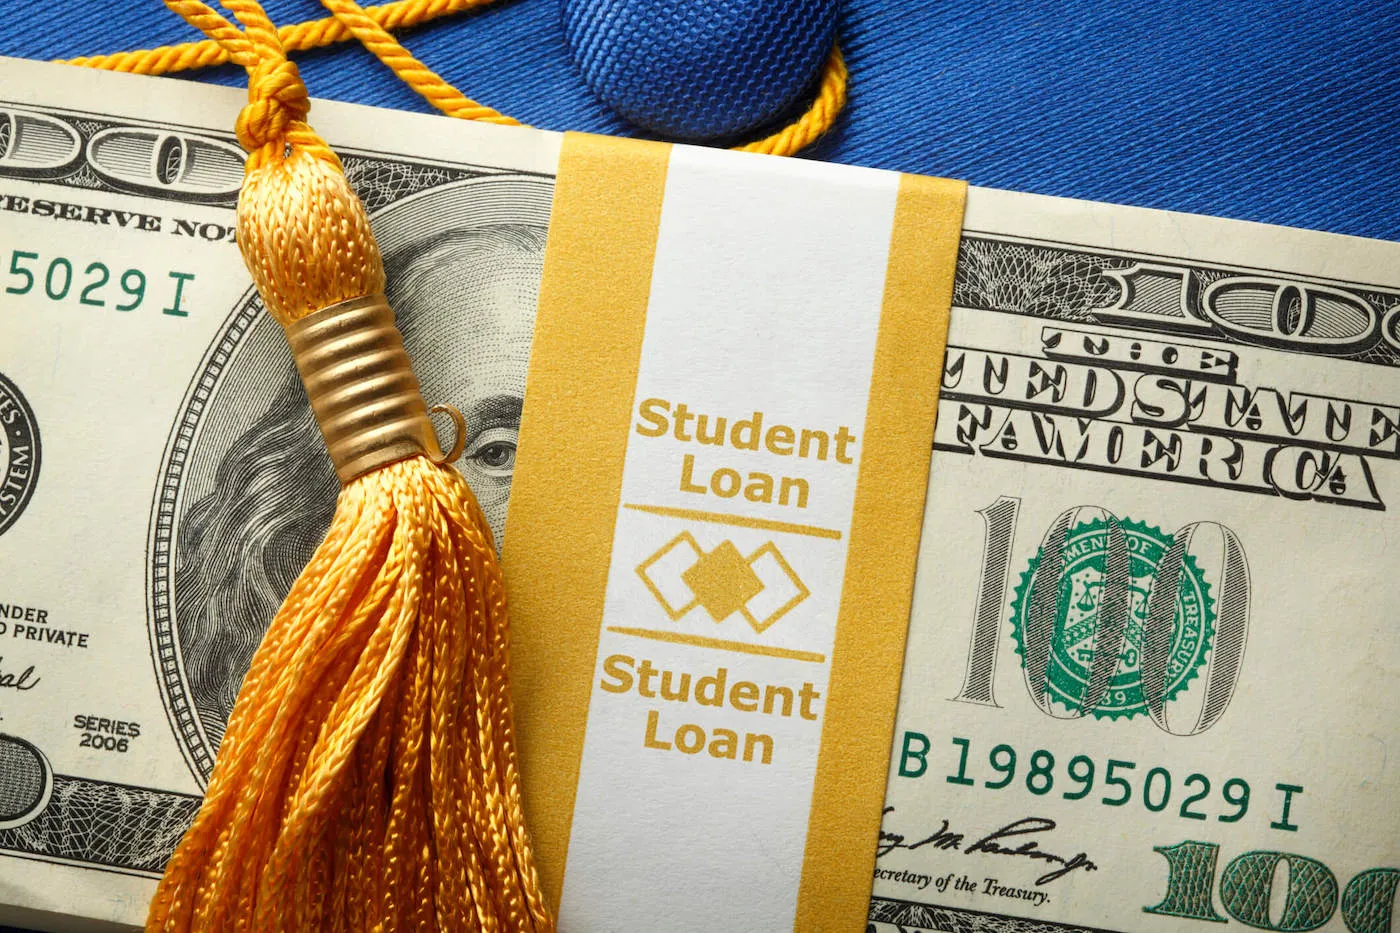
x,y
1128,397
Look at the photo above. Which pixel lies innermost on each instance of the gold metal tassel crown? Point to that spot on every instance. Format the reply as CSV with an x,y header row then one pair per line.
x,y
363,392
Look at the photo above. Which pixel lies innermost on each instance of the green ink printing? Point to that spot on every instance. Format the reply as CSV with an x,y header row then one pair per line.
x,y
1084,558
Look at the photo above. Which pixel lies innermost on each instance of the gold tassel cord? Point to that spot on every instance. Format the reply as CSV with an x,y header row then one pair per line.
x,y
422,79
367,780
372,26
296,37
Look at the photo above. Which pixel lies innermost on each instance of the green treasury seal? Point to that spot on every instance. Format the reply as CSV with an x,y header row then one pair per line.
x,y
1085,554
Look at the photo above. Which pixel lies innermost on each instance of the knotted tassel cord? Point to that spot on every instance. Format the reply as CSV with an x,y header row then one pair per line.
x,y
372,26
367,780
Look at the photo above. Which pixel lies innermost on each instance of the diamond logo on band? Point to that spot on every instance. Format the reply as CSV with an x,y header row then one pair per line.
x,y
761,587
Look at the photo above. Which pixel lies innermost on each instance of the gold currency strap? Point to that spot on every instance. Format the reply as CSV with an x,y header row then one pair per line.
x,y
368,779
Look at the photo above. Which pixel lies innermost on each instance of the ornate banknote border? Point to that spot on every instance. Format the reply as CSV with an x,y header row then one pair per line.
x,y
892,916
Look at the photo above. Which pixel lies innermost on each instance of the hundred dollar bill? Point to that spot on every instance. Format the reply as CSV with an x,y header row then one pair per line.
x,y
1136,407
1151,680
161,479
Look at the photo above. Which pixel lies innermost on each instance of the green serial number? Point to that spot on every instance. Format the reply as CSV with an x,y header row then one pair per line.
x,y
1041,773
94,284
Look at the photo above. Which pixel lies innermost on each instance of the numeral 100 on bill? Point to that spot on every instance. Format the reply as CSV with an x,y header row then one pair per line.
x,y
1248,891
1113,617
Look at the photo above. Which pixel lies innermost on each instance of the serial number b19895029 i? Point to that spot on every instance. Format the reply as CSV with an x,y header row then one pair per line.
x,y
1119,778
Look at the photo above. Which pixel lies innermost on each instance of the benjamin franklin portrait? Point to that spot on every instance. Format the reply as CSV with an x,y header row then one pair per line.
x,y
463,264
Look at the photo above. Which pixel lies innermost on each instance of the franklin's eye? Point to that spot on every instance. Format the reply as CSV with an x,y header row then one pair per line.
x,y
497,456
493,452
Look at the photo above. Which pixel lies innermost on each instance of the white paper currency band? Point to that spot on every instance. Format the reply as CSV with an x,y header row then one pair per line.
x,y
705,609
757,304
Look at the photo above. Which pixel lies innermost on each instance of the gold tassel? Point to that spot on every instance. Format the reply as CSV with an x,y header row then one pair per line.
x,y
367,779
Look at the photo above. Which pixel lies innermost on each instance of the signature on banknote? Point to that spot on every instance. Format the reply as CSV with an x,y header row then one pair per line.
x,y
994,843
24,680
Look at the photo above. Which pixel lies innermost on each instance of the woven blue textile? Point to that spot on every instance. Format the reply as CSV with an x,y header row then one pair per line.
x,y
699,70
1285,111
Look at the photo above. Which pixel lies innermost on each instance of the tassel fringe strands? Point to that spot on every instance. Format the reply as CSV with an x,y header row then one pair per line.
x,y
372,27
367,780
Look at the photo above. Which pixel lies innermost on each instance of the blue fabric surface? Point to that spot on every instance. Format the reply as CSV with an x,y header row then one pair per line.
x,y
1286,112
700,71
